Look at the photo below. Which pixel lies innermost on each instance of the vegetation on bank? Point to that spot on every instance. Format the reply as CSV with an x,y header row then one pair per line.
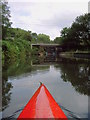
x,y
76,37
16,42
16,49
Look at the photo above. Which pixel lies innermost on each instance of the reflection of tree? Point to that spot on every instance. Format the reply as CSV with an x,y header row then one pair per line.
x,y
78,75
6,94
15,69
18,68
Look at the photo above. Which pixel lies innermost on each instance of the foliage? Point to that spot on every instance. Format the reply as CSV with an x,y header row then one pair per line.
x,y
64,32
41,51
17,42
16,49
59,40
34,51
42,38
34,37
77,36
81,28
5,18
17,33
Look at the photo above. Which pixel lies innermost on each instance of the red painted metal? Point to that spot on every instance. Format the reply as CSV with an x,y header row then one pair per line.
x,y
42,105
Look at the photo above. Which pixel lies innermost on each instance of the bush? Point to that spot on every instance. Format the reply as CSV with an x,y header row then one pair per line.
x,y
15,49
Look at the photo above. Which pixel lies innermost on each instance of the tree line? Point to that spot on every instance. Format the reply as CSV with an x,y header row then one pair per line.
x,y
16,41
76,37
9,33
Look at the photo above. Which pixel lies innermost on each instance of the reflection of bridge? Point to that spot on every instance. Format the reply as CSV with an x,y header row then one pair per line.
x,y
49,48
46,61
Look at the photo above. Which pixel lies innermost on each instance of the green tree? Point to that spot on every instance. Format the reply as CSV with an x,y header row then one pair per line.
x,y
17,33
64,36
60,40
64,32
78,35
34,37
5,18
81,28
42,38
57,40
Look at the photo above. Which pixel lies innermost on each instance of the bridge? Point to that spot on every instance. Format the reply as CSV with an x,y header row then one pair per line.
x,y
50,49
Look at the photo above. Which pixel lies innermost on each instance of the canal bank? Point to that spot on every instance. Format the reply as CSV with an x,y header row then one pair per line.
x,y
76,54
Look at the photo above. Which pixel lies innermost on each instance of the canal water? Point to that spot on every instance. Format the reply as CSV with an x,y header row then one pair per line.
x,y
68,80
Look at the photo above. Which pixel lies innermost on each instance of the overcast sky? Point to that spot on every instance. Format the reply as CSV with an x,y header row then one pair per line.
x,y
47,17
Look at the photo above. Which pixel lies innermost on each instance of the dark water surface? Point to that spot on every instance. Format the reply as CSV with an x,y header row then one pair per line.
x,y
67,80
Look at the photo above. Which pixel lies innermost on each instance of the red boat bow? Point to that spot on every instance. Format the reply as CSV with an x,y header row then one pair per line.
x,y
42,105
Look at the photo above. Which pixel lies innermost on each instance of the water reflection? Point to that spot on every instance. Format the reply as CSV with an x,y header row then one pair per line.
x,y
6,87
76,72
17,68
